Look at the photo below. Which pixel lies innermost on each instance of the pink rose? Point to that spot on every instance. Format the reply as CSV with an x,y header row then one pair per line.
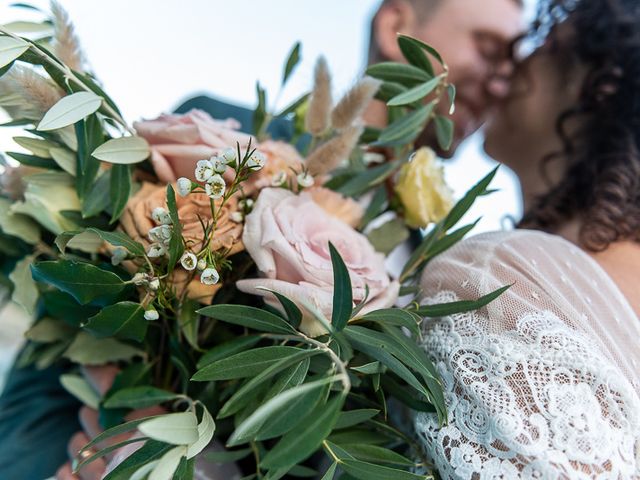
x,y
179,141
287,235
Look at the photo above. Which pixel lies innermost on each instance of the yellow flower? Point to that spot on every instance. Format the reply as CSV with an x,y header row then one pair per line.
x,y
422,190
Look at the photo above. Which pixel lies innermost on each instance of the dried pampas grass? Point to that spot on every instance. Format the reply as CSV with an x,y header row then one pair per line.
x,y
25,94
328,156
318,118
352,105
66,45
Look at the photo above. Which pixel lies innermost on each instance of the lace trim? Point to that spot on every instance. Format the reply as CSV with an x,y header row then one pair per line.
x,y
539,401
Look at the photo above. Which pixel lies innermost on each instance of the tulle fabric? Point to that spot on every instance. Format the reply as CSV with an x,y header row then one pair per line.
x,y
541,383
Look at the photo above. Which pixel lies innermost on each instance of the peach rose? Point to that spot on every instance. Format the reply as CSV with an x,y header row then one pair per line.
x,y
336,205
136,221
179,141
287,236
280,157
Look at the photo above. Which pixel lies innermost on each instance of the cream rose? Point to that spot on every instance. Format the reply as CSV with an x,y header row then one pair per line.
x,y
137,220
422,190
288,237
179,141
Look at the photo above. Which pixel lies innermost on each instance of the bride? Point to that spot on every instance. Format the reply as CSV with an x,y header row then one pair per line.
x,y
544,382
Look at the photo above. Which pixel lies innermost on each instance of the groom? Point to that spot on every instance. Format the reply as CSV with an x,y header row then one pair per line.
x,y
37,417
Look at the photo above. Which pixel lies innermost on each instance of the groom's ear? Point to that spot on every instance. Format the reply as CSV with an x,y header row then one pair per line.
x,y
393,17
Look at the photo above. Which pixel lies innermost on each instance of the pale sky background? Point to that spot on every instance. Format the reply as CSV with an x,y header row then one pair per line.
x,y
152,54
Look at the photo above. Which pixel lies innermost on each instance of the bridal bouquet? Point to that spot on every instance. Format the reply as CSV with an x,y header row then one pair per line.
x,y
237,281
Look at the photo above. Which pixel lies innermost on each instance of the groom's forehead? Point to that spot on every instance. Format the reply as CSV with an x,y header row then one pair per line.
x,y
503,18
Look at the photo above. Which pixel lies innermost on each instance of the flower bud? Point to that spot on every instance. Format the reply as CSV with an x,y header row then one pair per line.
x,y
279,179
119,254
161,216
237,217
202,264
305,180
183,186
156,250
154,284
151,314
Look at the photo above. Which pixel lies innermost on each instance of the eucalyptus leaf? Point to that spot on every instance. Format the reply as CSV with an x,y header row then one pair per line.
x,y
174,428
123,151
83,281
139,397
119,190
250,426
69,110
350,418
25,292
444,131
120,239
206,429
227,349
465,203
292,61
413,123
244,364
10,49
406,75
451,308
369,471
88,350
414,54
389,235
147,454
65,160
18,225
80,388
427,48
301,442
250,317
393,316
375,453
415,94
49,330
168,463
342,291
369,178
123,320
293,313
37,146
175,244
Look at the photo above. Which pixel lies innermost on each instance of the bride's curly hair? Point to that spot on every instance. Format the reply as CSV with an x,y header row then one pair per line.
x,y
602,184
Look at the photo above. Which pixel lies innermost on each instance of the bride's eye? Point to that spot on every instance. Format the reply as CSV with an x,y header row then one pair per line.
x,y
490,46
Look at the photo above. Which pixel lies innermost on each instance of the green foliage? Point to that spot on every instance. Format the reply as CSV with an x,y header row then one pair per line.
x,y
123,320
342,291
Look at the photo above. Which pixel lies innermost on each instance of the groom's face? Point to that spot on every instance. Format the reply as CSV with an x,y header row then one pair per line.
x,y
473,37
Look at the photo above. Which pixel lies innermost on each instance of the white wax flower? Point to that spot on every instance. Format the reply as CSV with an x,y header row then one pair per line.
x,y
118,255
189,261
237,217
215,187
278,179
305,180
183,186
256,161
160,234
151,314
210,276
154,284
161,216
139,278
219,164
230,154
204,170
156,250
246,204
202,264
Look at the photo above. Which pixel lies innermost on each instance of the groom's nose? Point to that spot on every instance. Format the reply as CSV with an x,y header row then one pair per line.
x,y
499,82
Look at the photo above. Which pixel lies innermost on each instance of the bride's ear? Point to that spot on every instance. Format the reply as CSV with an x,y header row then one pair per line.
x,y
394,16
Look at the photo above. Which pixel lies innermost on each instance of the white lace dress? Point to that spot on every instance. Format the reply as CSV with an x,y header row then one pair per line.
x,y
544,382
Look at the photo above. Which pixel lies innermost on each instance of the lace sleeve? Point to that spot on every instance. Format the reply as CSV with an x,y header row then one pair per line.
x,y
541,383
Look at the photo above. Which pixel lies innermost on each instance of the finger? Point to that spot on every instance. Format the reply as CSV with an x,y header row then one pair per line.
x,y
91,471
145,412
101,378
64,473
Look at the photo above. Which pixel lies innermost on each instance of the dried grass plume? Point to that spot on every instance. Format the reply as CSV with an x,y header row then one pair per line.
x,y
318,119
328,156
66,45
354,102
25,94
